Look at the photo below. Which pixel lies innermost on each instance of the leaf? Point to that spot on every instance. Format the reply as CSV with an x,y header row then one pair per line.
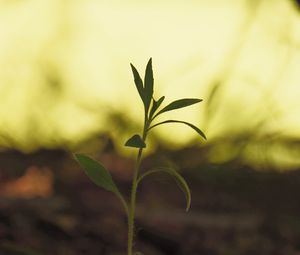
x,y
155,106
181,183
135,141
100,176
159,102
138,82
178,178
179,104
97,173
148,82
183,122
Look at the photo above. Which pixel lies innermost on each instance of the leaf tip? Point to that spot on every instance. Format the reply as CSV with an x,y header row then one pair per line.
x,y
204,136
188,207
132,67
149,66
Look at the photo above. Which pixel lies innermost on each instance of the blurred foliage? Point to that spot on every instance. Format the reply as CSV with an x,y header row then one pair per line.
x,y
65,74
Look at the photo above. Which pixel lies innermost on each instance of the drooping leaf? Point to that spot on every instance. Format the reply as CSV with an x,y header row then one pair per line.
x,y
181,183
97,173
155,106
148,82
183,122
179,104
138,82
135,141
178,178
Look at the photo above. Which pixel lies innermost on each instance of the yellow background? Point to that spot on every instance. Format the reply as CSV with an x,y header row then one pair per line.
x,y
64,66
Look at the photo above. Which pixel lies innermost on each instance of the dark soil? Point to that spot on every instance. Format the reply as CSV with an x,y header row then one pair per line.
x,y
235,211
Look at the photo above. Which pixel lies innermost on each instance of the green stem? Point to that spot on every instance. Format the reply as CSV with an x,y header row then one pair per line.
x,y
131,212
132,203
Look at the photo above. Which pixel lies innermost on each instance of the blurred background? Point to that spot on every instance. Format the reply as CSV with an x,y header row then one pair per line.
x,y
66,86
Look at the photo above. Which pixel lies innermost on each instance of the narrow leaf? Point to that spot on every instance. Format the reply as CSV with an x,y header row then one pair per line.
x,y
181,183
138,82
180,104
155,106
135,141
148,81
97,173
178,178
183,122
159,102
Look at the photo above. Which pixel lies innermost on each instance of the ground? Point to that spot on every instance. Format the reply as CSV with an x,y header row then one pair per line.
x,y
235,210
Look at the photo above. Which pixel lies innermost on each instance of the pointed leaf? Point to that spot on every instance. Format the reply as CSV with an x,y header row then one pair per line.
x,y
138,82
178,178
156,105
180,104
183,122
97,173
181,183
100,176
148,82
135,141
159,102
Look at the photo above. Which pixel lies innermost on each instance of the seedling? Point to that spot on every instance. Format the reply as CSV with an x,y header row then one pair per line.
x,y
152,109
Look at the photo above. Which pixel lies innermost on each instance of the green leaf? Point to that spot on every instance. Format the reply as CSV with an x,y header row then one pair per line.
x,y
138,82
148,81
135,141
97,173
180,104
178,178
159,102
155,106
182,122
181,183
